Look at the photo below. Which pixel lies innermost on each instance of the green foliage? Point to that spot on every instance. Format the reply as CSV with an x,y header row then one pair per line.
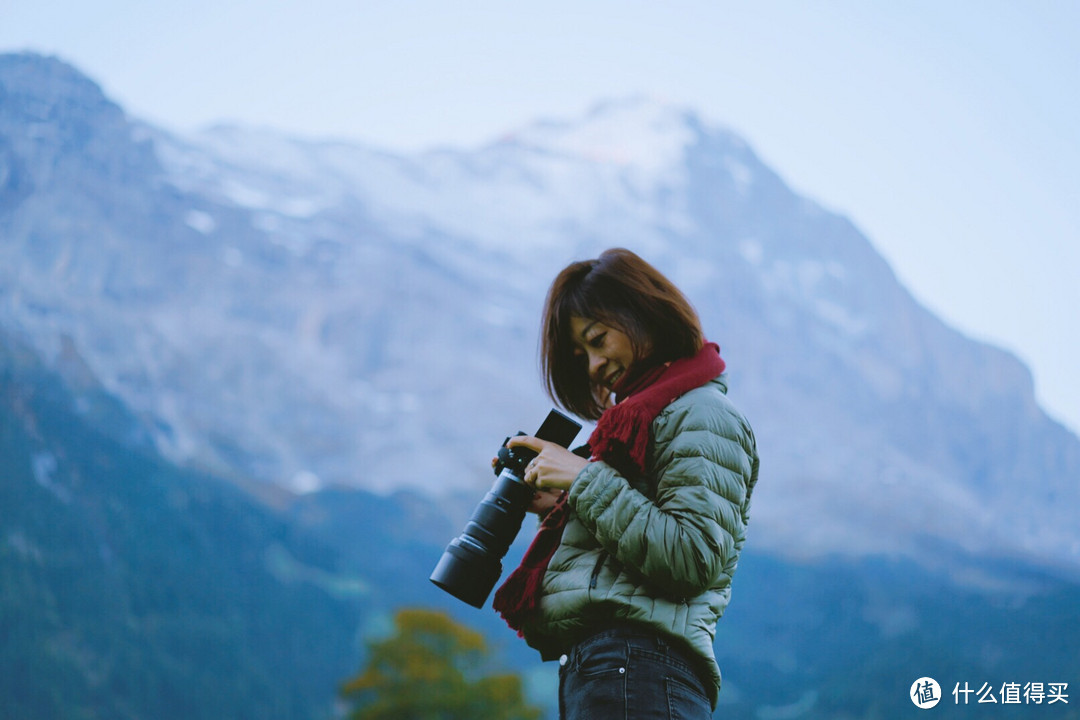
x,y
432,668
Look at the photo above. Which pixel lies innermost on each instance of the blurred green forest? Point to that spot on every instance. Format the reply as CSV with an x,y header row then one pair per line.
x,y
130,588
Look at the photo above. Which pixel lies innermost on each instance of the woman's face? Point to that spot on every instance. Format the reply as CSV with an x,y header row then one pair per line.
x,y
608,350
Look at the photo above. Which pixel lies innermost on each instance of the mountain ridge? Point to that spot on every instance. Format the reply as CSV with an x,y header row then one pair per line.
x,y
147,311
312,314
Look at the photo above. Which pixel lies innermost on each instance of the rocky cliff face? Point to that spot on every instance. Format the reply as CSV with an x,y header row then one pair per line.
x,y
309,314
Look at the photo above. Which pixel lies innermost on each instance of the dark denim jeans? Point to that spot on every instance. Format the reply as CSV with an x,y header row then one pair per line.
x,y
629,673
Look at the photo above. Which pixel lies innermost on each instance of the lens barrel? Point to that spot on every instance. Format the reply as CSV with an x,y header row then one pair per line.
x,y
472,563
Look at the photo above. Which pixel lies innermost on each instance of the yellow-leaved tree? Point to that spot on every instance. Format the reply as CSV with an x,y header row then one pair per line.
x,y
433,668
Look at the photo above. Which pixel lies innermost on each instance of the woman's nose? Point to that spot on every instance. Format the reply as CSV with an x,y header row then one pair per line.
x,y
596,361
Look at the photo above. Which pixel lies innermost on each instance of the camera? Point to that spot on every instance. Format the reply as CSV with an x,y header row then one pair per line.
x,y
472,563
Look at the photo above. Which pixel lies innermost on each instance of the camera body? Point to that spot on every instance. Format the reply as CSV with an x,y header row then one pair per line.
x,y
472,563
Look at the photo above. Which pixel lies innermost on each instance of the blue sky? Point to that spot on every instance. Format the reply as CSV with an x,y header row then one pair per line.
x,y
947,131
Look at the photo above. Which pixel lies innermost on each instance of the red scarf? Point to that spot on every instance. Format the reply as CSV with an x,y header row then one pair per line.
x,y
621,439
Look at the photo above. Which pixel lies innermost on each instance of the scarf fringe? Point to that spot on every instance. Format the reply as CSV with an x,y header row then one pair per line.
x,y
624,443
519,596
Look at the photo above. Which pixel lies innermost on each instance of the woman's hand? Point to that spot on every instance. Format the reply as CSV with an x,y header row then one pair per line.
x,y
542,500
554,467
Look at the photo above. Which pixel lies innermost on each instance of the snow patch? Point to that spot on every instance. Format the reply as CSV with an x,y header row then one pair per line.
x,y
305,482
232,257
751,251
648,136
496,315
200,221
740,174
301,208
245,195
839,317
44,465
23,546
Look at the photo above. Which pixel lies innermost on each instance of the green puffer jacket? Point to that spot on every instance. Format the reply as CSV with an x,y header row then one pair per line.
x,y
660,551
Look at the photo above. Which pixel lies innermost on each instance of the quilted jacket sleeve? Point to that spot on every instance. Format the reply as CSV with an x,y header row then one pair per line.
x,y
705,466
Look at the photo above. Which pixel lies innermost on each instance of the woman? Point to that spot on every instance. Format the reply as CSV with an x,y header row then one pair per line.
x,y
632,566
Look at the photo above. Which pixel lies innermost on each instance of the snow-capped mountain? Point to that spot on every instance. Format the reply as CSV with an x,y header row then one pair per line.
x,y
309,313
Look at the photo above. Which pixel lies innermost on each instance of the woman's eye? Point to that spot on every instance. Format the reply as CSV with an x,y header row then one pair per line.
x,y
598,340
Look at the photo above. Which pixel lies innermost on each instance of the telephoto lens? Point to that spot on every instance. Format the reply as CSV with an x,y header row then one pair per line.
x,y
472,562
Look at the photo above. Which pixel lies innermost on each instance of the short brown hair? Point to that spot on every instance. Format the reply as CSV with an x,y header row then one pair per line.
x,y
622,291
